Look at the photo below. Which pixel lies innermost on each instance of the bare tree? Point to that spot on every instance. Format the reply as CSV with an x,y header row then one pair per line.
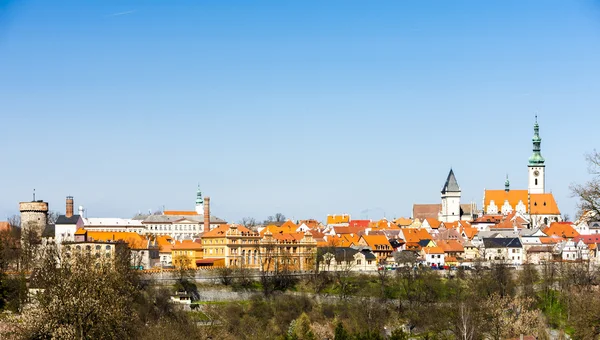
x,y
277,218
14,221
249,222
53,216
589,193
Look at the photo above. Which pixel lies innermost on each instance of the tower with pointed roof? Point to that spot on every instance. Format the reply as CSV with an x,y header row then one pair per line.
x,y
536,167
450,200
199,202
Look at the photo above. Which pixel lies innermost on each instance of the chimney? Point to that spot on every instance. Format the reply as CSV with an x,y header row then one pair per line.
x,y
206,213
69,211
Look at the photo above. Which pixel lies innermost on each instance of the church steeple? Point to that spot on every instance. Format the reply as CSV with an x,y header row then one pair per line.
x,y
199,201
507,184
450,199
536,167
536,158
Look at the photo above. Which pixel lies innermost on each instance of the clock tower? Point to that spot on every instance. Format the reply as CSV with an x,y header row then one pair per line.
x,y
536,167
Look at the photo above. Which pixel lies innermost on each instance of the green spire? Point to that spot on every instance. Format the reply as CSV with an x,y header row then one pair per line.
x,y
536,158
506,184
199,199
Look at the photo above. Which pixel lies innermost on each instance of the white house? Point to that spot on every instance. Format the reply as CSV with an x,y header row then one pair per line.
x,y
65,228
433,256
507,250
347,259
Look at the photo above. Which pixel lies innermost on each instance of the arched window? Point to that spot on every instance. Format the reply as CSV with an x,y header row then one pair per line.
x,y
536,181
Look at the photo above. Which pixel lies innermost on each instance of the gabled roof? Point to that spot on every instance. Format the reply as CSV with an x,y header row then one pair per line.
x,y
338,219
403,222
376,240
499,196
221,230
587,239
187,245
423,211
451,246
134,240
451,184
504,242
359,223
62,219
562,229
433,222
345,253
415,235
543,204
433,250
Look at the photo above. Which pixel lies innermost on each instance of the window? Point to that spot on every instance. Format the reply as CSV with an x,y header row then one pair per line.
x,y
358,262
536,181
98,247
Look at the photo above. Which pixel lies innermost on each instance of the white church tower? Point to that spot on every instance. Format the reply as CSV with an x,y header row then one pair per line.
x,y
536,167
199,202
450,200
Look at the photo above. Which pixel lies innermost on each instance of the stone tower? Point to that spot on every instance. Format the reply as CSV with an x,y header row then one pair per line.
x,y
536,167
450,200
34,216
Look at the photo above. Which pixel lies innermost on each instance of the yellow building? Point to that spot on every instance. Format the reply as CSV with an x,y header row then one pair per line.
x,y
186,253
238,246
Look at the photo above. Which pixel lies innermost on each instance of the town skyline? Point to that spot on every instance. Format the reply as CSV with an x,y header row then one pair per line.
x,y
305,109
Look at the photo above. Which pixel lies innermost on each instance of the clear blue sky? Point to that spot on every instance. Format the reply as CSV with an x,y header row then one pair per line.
x,y
304,107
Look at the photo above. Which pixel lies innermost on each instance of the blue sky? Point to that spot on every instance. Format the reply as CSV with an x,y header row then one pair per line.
x,y
305,107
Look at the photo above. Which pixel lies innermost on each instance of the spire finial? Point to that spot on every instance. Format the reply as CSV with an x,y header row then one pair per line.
x,y
33,195
536,117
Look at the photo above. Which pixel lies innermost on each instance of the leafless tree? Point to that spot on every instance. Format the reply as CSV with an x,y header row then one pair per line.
x,y
53,216
278,217
589,193
14,221
249,222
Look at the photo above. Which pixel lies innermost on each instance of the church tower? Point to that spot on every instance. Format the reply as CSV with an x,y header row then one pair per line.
x,y
450,200
536,167
199,202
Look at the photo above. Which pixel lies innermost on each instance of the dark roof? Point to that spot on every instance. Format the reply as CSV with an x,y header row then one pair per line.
x,y
48,231
62,219
502,242
345,253
451,184
424,243
396,243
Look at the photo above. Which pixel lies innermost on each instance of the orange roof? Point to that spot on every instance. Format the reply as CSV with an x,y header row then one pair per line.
x,y
382,224
340,241
312,224
179,212
415,235
134,240
450,246
551,240
562,229
187,245
499,196
434,223
4,226
289,237
348,230
286,228
337,219
80,231
164,240
376,240
222,229
450,259
433,250
451,225
543,204
403,222
470,232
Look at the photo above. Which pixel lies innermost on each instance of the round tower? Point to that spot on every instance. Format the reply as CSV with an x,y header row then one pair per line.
x,y
34,216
